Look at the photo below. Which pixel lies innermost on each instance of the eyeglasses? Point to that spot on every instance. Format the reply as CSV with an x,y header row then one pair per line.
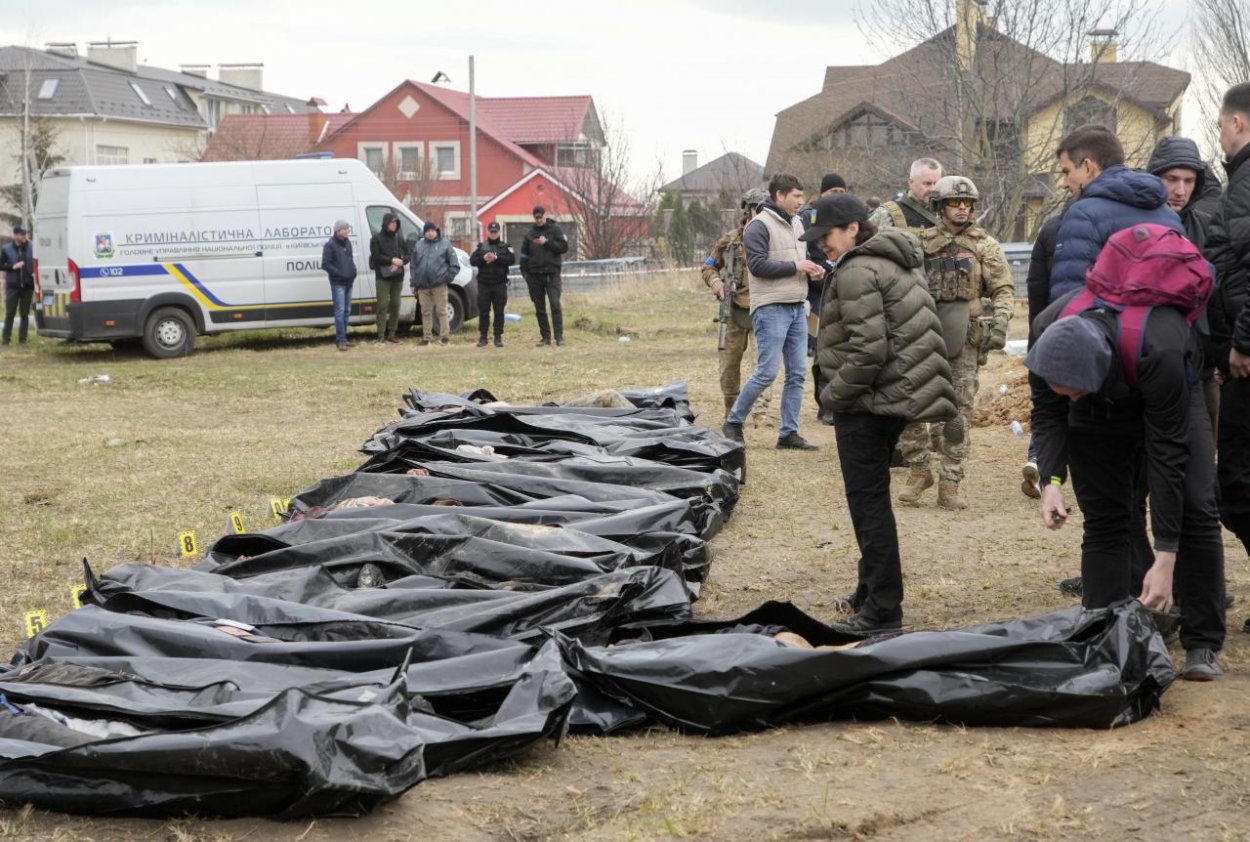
x,y
958,203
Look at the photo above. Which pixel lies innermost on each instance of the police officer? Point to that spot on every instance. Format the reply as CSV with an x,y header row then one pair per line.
x,y
964,264
728,249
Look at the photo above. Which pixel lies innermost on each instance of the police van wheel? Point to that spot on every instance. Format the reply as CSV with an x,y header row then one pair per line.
x,y
169,332
455,312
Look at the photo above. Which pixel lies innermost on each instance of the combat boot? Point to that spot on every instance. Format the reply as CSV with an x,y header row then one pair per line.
x,y
917,481
948,495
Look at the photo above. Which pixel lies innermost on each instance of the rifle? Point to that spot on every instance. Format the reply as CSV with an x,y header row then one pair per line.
x,y
730,280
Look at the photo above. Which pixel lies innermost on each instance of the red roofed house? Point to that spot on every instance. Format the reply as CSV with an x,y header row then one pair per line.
x,y
530,151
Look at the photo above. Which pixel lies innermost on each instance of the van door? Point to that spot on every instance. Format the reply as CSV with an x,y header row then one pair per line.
x,y
411,233
55,284
296,221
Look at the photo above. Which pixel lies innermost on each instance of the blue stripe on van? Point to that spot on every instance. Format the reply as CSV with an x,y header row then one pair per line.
x,y
122,271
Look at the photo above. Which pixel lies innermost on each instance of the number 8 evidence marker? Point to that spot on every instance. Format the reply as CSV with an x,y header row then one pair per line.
x,y
187,544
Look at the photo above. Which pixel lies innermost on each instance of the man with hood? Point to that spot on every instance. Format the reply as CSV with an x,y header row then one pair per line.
x,y
882,353
492,259
1108,197
388,254
434,265
542,256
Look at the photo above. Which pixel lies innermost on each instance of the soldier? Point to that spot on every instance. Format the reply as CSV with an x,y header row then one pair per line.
x,y
728,249
964,264
912,211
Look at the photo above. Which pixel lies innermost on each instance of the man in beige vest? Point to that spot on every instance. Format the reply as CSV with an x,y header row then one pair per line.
x,y
778,269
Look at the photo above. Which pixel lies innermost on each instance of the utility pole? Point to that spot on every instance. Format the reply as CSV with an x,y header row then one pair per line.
x,y
474,231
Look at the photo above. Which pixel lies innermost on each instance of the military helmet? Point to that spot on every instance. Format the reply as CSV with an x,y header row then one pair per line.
x,y
952,187
753,197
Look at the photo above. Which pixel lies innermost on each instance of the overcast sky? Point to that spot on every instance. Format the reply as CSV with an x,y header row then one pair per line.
x,y
703,74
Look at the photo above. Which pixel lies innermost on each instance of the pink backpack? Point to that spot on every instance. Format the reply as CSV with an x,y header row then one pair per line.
x,y
1140,268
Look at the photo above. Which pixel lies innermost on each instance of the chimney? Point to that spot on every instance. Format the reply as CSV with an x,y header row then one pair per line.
x,y
969,14
247,75
316,123
63,48
689,161
1102,46
200,70
123,55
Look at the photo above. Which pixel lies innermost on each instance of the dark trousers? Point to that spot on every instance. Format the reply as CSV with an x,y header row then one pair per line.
x,y
17,301
544,288
865,444
1234,473
491,298
1105,477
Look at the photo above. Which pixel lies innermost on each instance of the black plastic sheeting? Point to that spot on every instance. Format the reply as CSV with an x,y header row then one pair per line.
x,y
489,578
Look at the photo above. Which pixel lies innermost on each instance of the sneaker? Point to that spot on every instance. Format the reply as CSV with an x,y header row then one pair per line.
x,y
481,343
540,343
848,604
498,342
861,626
1202,665
1031,485
425,342
559,342
342,346
1072,587
730,430
350,343
444,341
393,338
793,441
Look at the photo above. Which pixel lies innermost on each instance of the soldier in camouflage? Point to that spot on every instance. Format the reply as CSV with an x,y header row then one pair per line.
x,y
738,332
913,211
964,265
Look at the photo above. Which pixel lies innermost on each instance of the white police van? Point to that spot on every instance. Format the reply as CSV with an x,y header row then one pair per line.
x,y
163,252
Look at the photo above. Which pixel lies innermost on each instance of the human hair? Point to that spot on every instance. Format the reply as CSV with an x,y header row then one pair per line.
x,y
1095,142
1237,100
783,183
924,164
867,231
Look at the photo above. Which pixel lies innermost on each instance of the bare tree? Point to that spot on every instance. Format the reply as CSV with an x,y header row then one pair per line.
x,y
990,101
39,148
1220,33
18,93
611,208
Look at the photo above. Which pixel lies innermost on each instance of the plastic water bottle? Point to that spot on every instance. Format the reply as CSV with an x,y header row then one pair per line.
x,y
1002,390
512,317
1017,429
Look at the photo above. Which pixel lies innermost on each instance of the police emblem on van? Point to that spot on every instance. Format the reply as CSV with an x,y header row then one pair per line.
x,y
103,245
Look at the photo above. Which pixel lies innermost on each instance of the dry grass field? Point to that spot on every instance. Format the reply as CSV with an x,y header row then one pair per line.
x,y
114,471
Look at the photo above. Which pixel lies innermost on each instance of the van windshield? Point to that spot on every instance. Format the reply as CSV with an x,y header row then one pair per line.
x,y
374,214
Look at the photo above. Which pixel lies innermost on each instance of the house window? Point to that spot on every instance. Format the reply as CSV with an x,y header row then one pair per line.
x,y
445,158
149,160
139,92
1091,109
1001,139
866,131
409,157
289,109
112,155
48,89
457,225
171,93
212,112
374,156
574,155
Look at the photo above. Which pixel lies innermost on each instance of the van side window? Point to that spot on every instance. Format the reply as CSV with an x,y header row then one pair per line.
x,y
407,230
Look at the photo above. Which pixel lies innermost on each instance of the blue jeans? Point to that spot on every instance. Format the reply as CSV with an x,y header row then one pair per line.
x,y
780,334
341,294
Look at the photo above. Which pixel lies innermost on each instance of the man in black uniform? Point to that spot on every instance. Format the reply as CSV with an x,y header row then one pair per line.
x,y
492,259
542,253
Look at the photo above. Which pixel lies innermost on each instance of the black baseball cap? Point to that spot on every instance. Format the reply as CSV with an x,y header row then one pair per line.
x,y
494,226
539,210
19,229
832,211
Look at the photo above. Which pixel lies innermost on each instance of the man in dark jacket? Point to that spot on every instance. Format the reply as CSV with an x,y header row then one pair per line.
x,y
1108,198
388,254
1228,247
339,264
434,266
17,261
1088,418
492,259
542,253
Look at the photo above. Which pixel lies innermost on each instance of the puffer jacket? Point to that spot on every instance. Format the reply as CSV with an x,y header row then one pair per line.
x,y
434,263
880,344
1115,200
1228,247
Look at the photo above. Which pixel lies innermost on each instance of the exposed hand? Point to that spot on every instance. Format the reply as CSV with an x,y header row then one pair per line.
x,y
1238,364
998,338
810,268
18,265
1156,590
540,240
1219,377
397,261
718,289
1054,515
489,257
